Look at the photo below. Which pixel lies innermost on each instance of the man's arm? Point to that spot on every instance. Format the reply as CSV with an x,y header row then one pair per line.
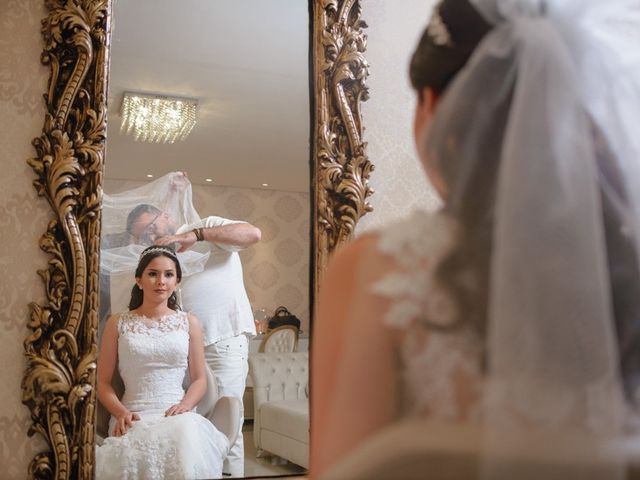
x,y
231,236
241,235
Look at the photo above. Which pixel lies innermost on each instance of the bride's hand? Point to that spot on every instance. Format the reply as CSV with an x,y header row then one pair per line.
x,y
123,423
177,410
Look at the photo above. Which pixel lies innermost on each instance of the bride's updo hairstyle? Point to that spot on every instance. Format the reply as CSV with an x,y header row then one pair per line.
x,y
146,256
453,33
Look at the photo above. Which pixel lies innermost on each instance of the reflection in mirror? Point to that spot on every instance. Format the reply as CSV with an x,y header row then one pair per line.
x,y
246,159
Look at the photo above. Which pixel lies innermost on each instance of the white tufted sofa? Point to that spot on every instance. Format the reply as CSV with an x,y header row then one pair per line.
x,y
281,404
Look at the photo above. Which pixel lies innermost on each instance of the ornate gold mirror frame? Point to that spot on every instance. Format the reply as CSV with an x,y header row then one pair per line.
x,y
59,382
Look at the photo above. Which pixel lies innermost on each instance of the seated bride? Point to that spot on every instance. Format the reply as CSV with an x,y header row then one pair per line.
x,y
154,432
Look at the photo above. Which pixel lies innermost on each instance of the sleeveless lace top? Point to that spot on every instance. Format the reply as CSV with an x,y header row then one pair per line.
x,y
432,363
153,360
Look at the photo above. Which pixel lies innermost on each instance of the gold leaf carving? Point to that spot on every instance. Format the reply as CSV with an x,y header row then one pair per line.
x,y
59,383
342,168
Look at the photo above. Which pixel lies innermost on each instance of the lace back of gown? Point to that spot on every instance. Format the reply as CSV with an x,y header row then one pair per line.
x,y
433,364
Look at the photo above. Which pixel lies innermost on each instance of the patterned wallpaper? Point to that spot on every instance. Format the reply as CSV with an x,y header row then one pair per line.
x,y
24,217
276,270
399,182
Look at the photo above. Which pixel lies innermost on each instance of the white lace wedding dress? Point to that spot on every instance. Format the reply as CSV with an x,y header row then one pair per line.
x,y
440,371
152,358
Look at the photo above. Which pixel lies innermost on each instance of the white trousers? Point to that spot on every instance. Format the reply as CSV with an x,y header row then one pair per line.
x,y
228,360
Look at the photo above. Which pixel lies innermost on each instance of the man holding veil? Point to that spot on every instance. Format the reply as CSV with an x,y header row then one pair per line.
x,y
162,213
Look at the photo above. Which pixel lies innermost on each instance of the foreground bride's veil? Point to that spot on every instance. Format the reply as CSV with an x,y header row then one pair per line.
x,y
172,195
555,87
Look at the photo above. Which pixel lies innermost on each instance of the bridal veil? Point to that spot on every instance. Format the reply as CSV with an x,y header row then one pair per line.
x,y
556,84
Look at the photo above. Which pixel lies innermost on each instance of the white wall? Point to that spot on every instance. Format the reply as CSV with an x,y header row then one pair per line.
x,y
398,180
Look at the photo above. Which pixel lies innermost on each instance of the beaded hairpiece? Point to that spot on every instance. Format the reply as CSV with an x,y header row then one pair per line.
x,y
438,31
158,250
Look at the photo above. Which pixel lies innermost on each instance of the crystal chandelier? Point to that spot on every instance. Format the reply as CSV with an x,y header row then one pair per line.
x,y
157,118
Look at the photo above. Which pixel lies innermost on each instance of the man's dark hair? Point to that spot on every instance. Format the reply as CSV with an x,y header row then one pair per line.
x,y
139,210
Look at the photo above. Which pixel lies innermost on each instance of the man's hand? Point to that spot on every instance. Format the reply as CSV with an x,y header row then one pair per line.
x,y
179,181
185,240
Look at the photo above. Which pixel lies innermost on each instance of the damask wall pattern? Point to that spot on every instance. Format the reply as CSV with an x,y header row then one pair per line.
x,y
24,216
276,270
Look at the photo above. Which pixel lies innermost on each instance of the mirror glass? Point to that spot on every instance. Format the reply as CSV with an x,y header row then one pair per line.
x,y
247,157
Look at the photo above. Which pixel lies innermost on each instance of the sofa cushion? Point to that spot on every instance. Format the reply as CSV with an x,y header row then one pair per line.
x,y
285,447
287,417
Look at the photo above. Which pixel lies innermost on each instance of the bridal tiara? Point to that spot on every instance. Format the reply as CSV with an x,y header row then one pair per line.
x,y
437,29
158,250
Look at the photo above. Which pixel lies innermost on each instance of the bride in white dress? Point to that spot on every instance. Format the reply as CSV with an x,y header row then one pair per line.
x,y
516,308
154,432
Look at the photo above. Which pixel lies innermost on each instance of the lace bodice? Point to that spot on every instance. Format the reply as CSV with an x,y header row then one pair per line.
x,y
433,363
152,360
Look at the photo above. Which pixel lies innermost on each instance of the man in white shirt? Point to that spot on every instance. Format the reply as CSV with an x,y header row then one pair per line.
x,y
216,296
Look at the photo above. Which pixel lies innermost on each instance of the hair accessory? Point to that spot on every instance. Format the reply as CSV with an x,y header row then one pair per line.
x,y
199,234
158,250
438,31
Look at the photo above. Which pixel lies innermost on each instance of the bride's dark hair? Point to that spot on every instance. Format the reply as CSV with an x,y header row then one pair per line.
x,y
146,256
465,272
434,64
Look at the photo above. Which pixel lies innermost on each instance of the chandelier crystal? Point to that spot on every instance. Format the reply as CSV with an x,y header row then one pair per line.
x,y
157,118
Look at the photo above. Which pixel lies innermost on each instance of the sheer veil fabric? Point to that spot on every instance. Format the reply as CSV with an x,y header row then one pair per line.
x,y
551,83
172,195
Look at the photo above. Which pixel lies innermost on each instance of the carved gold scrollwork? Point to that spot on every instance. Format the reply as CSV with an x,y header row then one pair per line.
x,y
342,167
59,382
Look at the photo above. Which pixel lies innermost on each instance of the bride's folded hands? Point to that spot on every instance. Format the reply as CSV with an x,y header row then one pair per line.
x,y
124,422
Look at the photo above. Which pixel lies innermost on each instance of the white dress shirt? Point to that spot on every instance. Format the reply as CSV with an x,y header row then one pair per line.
x,y
216,296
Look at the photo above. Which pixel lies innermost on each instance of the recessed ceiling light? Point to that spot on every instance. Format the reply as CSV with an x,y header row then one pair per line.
x,y
265,184
208,179
149,175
